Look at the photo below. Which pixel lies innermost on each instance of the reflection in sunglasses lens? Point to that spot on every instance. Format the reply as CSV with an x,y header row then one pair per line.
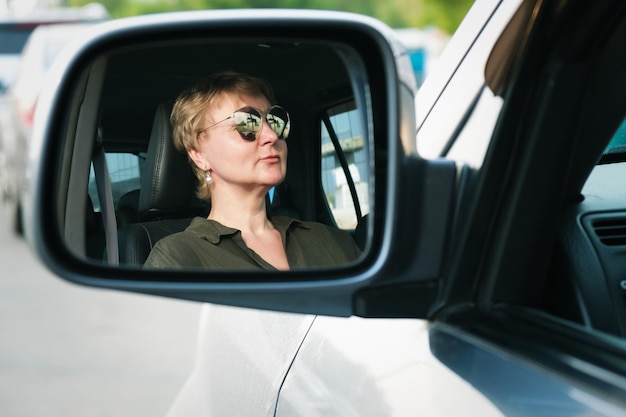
x,y
248,122
278,119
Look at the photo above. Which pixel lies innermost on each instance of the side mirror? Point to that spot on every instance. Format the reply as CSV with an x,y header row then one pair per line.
x,y
105,92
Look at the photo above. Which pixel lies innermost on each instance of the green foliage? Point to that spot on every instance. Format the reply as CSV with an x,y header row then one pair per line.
x,y
444,14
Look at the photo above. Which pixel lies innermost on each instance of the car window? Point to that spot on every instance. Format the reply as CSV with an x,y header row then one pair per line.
x,y
456,116
616,150
346,195
124,172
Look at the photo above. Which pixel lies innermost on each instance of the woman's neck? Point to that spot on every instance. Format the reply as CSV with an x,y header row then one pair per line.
x,y
246,213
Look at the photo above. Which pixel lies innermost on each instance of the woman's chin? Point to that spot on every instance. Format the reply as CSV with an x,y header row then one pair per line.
x,y
273,180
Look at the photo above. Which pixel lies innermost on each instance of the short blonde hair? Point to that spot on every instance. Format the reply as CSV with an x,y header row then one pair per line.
x,y
192,103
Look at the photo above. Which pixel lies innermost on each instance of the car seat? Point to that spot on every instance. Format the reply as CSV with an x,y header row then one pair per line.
x,y
167,200
127,210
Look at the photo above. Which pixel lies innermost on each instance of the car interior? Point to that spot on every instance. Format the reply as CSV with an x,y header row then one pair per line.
x,y
152,184
589,286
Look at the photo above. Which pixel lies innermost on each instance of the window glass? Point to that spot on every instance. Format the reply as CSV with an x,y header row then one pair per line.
x,y
347,126
13,39
125,175
453,109
618,142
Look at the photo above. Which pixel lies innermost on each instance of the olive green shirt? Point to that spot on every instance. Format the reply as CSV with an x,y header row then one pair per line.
x,y
209,244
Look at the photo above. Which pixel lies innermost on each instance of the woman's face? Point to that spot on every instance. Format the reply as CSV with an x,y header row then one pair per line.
x,y
233,161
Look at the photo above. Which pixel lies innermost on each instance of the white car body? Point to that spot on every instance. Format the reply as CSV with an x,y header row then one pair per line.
x,y
259,363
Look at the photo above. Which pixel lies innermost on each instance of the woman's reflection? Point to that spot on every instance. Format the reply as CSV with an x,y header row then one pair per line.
x,y
235,139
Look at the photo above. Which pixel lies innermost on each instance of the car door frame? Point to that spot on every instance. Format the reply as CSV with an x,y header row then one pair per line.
x,y
491,305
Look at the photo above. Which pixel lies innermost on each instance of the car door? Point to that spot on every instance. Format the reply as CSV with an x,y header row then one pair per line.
x,y
528,302
243,356
375,367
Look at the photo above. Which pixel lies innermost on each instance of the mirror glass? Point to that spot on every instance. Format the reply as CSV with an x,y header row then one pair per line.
x,y
315,214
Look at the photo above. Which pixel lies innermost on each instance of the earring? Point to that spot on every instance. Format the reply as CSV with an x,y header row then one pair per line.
x,y
208,178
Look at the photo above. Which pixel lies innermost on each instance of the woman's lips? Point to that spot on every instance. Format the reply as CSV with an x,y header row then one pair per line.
x,y
271,158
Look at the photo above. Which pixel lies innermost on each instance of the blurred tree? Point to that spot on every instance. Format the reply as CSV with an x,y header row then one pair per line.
x,y
443,14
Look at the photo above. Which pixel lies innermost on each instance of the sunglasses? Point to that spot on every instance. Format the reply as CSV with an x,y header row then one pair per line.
x,y
249,122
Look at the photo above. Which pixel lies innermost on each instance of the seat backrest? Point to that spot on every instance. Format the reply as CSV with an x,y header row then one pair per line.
x,y
127,210
167,200
136,240
167,187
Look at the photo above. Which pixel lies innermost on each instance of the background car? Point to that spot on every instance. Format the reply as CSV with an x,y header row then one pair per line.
x,y
16,28
42,43
13,36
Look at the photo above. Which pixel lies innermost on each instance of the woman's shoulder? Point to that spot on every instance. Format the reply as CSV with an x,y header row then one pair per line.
x,y
177,249
179,238
315,231
319,244
290,222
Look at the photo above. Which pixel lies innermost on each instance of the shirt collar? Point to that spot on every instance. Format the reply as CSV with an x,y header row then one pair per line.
x,y
213,231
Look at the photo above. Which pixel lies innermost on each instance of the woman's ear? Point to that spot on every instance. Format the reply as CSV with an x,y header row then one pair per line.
x,y
198,159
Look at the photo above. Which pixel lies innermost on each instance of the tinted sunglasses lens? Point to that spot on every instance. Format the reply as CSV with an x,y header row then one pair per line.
x,y
278,119
248,123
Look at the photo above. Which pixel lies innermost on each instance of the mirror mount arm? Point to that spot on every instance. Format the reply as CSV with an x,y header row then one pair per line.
x,y
413,268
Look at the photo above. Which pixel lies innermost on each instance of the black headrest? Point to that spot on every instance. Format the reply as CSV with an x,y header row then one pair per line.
x,y
167,183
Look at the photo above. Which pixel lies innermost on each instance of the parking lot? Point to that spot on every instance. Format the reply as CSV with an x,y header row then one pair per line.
x,y
66,350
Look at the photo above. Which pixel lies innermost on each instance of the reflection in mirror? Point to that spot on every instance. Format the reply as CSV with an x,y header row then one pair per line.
x,y
220,156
